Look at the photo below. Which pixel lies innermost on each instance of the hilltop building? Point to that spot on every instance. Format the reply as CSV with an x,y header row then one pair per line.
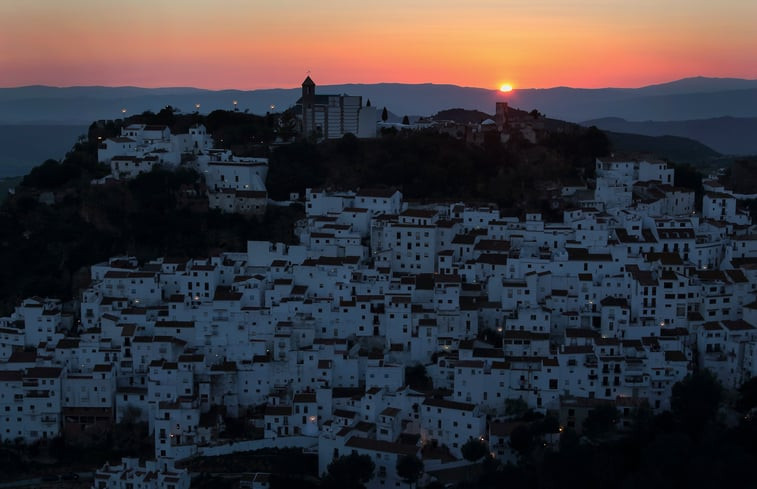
x,y
333,116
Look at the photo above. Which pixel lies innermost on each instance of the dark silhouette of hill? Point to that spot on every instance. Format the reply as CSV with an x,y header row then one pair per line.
x,y
673,148
727,135
463,116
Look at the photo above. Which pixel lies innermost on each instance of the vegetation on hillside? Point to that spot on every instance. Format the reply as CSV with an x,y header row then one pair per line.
x,y
58,223
427,165
688,447
674,148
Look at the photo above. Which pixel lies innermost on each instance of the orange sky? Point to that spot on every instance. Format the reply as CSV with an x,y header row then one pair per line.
x,y
250,44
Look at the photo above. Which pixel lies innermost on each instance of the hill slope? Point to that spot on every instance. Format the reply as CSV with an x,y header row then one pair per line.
x,y
728,135
673,148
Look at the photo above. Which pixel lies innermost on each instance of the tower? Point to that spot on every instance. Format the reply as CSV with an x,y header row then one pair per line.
x,y
308,100
501,115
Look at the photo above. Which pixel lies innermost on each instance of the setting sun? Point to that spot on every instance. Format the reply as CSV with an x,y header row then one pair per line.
x,y
506,88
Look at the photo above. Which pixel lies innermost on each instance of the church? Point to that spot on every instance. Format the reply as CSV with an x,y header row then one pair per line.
x,y
333,116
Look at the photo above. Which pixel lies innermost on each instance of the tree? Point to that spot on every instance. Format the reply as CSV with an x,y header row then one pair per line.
x,y
569,440
417,378
521,439
516,407
548,425
601,420
349,472
474,449
695,400
368,103
406,120
384,115
747,395
410,468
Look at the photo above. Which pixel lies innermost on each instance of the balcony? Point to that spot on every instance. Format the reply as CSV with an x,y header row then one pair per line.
x,y
634,379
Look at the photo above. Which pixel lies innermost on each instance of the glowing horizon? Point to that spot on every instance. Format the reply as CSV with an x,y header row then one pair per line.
x,y
235,45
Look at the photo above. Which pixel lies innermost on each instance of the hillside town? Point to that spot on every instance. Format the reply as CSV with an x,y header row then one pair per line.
x,y
312,345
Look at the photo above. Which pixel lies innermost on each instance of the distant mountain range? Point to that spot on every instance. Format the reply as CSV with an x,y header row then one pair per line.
x,y
729,135
690,98
718,112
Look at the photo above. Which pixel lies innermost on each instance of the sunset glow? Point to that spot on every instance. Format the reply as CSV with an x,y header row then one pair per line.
x,y
506,88
248,45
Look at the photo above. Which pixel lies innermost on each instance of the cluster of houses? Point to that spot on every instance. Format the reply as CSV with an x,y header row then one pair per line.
x,y
235,184
309,344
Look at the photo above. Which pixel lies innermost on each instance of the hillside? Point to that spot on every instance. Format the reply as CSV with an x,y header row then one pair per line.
x,y
673,148
727,135
44,248
462,116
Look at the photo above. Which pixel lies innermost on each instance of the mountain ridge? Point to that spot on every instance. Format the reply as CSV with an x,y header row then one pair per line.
x,y
726,134
707,97
677,82
680,100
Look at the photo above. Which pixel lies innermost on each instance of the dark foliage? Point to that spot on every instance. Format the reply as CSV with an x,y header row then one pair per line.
x,y
658,451
601,420
431,166
45,249
747,395
695,400
474,449
742,177
349,472
410,469
687,176
418,379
